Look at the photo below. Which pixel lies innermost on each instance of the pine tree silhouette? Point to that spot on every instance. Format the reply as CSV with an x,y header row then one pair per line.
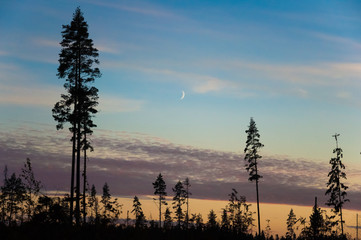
x,y
251,157
77,106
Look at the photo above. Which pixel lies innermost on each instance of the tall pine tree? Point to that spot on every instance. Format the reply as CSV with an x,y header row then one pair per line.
x,y
251,157
335,187
77,106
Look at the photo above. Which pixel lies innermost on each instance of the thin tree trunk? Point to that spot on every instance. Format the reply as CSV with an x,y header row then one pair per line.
x,y
84,178
187,216
72,177
258,213
160,212
77,204
74,148
339,195
78,121
341,221
339,199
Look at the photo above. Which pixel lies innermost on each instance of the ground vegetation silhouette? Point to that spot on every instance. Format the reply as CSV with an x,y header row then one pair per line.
x,y
48,216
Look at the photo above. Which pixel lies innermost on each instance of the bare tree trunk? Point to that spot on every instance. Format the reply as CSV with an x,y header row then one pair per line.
x,y
74,148
77,203
84,178
339,198
72,176
187,216
160,211
258,213
78,116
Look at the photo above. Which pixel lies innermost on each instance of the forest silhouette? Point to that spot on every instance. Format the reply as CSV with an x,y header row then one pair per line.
x,y
27,212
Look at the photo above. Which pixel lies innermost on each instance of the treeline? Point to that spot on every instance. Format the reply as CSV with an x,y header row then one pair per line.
x,y
28,213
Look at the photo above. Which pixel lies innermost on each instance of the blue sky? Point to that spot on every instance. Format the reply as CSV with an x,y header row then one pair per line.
x,y
294,66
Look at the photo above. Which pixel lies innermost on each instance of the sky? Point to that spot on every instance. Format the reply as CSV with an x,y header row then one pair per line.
x,y
294,66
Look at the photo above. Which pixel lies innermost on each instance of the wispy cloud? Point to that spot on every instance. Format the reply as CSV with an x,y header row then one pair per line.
x,y
46,42
107,49
136,159
344,95
119,104
3,53
47,95
250,79
115,47
29,96
347,42
12,90
138,9
321,74
199,83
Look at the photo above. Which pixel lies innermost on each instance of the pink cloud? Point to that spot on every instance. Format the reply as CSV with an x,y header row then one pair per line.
x,y
130,162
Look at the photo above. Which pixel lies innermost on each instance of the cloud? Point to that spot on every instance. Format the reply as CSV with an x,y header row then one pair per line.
x,y
34,96
347,42
130,162
46,42
199,83
321,81
119,104
143,10
209,84
12,91
344,95
115,47
107,49
41,50
301,92
29,96
321,74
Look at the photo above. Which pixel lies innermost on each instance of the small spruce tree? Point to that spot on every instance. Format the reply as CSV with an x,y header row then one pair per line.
x,y
212,220
93,205
32,187
138,212
291,222
178,201
317,223
159,187
225,224
167,219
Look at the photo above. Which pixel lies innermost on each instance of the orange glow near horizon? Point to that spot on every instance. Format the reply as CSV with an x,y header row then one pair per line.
x,y
276,213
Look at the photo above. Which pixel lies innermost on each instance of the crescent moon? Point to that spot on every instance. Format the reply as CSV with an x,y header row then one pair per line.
x,y
183,95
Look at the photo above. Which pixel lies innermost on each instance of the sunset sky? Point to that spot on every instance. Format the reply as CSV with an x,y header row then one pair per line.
x,y
294,66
